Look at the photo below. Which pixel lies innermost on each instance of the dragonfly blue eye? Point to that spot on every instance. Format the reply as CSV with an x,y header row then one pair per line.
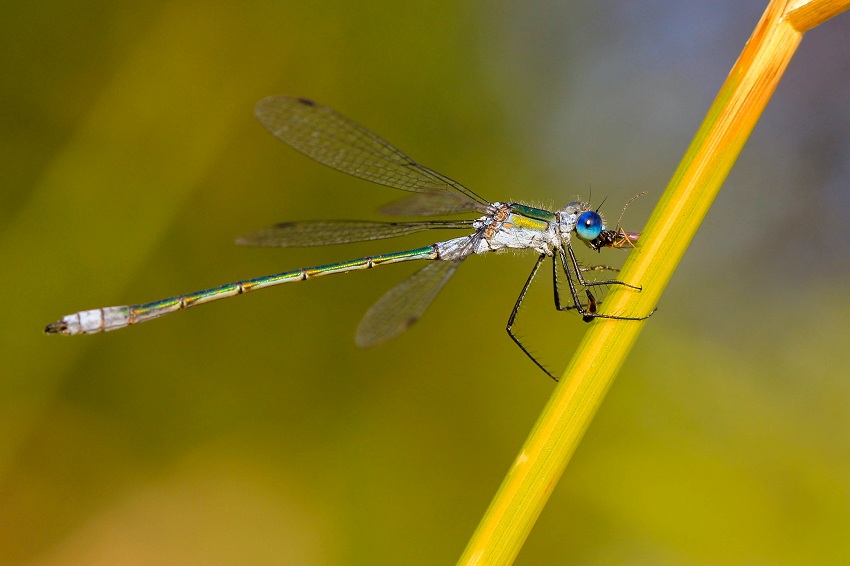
x,y
589,225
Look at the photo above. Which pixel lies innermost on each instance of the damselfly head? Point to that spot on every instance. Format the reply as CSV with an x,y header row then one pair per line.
x,y
588,222
589,225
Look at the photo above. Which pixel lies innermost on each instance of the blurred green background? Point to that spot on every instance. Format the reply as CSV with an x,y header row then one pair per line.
x,y
253,431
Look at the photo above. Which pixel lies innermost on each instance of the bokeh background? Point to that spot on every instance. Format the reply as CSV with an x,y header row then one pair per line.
x,y
253,431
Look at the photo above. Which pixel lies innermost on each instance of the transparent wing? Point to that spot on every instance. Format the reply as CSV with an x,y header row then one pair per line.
x,y
402,305
326,232
430,204
333,140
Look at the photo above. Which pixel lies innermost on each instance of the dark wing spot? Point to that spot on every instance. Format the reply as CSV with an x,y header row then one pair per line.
x,y
306,102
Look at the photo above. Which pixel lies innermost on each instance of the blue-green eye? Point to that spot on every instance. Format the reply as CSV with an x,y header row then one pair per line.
x,y
589,225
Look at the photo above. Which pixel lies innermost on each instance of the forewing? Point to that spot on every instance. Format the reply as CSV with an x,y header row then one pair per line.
x,y
402,305
431,204
334,140
326,232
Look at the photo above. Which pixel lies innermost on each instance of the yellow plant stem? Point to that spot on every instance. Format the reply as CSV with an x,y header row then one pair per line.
x,y
695,184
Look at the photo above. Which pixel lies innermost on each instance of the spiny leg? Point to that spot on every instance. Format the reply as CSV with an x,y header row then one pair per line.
x,y
579,270
556,287
515,311
592,303
601,267
588,313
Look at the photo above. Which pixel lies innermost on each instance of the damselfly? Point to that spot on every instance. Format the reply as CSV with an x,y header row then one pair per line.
x,y
332,139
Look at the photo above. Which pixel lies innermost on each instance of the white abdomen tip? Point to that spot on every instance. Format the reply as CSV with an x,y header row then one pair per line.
x,y
90,322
